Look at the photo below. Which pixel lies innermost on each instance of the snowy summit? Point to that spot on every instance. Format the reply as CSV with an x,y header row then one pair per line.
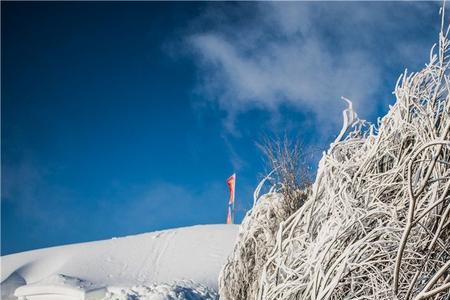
x,y
181,263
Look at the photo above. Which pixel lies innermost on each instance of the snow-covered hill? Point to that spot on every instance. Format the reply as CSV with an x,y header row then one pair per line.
x,y
179,263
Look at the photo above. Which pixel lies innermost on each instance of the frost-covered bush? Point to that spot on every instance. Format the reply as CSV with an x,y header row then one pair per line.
x,y
377,223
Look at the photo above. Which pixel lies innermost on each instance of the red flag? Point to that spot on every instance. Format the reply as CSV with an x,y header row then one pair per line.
x,y
229,220
231,182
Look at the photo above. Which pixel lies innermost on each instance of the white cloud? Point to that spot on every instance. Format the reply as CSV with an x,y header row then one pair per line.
x,y
305,55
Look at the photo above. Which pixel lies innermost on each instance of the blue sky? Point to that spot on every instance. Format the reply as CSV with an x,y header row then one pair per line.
x,y
121,118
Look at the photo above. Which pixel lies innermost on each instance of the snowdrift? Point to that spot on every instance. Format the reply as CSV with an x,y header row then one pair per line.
x,y
174,264
60,287
377,223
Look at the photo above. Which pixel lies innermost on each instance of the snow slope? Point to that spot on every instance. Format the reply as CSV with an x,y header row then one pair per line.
x,y
181,263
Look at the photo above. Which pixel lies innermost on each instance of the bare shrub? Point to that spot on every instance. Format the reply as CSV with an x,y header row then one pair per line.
x,y
290,172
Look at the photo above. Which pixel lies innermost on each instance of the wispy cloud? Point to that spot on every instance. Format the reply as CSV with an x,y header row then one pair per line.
x,y
55,214
305,55
162,205
26,186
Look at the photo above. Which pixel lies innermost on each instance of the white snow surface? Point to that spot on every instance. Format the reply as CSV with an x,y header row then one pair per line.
x,y
174,264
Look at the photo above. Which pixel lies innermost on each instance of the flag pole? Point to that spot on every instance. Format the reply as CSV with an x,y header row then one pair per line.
x,y
231,182
234,195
